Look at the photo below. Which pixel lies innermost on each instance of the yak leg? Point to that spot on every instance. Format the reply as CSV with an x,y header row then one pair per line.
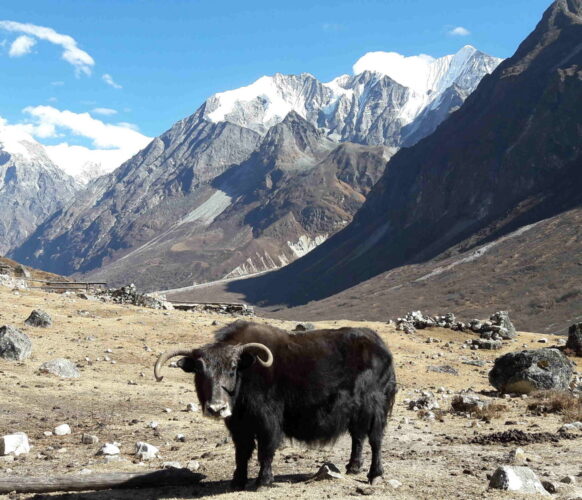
x,y
375,437
358,436
267,444
244,446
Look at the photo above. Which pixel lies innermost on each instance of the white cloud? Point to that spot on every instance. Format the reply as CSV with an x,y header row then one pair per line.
x,y
108,79
459,31
21,46
104,111
408,71
78,58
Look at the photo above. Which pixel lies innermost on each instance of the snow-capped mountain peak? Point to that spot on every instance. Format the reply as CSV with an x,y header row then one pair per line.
x,y
386,92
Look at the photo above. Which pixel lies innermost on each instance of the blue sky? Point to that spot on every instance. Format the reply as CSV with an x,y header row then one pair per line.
x,y
165,57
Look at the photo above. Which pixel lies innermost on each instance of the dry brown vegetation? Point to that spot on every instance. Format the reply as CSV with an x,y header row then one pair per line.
x,y
564,403
432,459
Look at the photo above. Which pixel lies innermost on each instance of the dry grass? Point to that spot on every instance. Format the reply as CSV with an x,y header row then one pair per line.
x,y
564,403
491,411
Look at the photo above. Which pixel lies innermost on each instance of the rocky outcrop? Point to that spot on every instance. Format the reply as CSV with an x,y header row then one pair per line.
x,y
527,371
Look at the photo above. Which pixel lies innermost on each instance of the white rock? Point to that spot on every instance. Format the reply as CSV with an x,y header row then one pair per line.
x,y
394,483
192,407
517,478
517,456
145,451
15,444
62,430
47,433
193,465
153,425
171,465
109,449
167,410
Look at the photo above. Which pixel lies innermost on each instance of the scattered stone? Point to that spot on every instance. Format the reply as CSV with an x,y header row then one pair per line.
x,y
129,295
14,345
192,407
550,486
60,367
89,439
193,465
489,344
304,327
145,451
475,362
575,339
180,437
526,371
171,465
365,490
167,410
62,430
153,425
394,483
568,480
14,444
465,403
39,319
47,433
426,402
543,341
443,369
109,449
516,478
573,427
326,471
517,456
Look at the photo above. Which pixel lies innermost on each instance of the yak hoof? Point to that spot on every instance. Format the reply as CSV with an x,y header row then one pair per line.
x,y
353,469
375,480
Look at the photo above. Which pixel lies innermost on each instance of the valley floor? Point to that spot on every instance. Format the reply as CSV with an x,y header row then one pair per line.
x,y
432,459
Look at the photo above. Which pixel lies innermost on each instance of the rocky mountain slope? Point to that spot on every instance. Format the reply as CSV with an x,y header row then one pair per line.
x,y
192,173
508,158
31,187
294,191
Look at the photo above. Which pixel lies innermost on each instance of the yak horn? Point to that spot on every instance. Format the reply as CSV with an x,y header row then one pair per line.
x,y
164,357
261,347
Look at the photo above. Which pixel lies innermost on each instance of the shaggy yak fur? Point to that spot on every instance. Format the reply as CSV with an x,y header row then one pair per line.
x,y
319,385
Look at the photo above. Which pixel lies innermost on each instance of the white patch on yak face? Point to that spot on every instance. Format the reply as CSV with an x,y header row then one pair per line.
x,y
217,410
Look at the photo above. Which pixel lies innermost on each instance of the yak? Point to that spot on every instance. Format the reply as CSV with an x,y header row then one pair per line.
x,y
267,384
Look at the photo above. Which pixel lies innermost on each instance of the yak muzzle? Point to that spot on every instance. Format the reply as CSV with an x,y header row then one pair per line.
x,y
219,409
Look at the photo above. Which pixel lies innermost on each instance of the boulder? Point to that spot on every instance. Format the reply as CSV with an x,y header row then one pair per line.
x,y
15,444
39,318
14,345
526,371
61,368
575,339
506,328
517,478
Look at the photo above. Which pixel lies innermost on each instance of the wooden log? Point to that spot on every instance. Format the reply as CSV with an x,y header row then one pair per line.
x,y
106,481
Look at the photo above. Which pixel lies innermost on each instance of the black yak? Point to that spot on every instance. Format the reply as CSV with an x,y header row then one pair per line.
x,y
267,384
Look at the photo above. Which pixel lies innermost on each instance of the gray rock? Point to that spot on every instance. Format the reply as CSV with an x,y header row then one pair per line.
x,y
501,319
517,478
145,451
39,318
526,371
89,439
488,344
304,327
474,362
443,369
14,345
21,271
575,339
60,367
466,403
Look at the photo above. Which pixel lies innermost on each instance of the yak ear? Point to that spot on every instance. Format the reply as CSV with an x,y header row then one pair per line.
x,y
246,361
191,364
